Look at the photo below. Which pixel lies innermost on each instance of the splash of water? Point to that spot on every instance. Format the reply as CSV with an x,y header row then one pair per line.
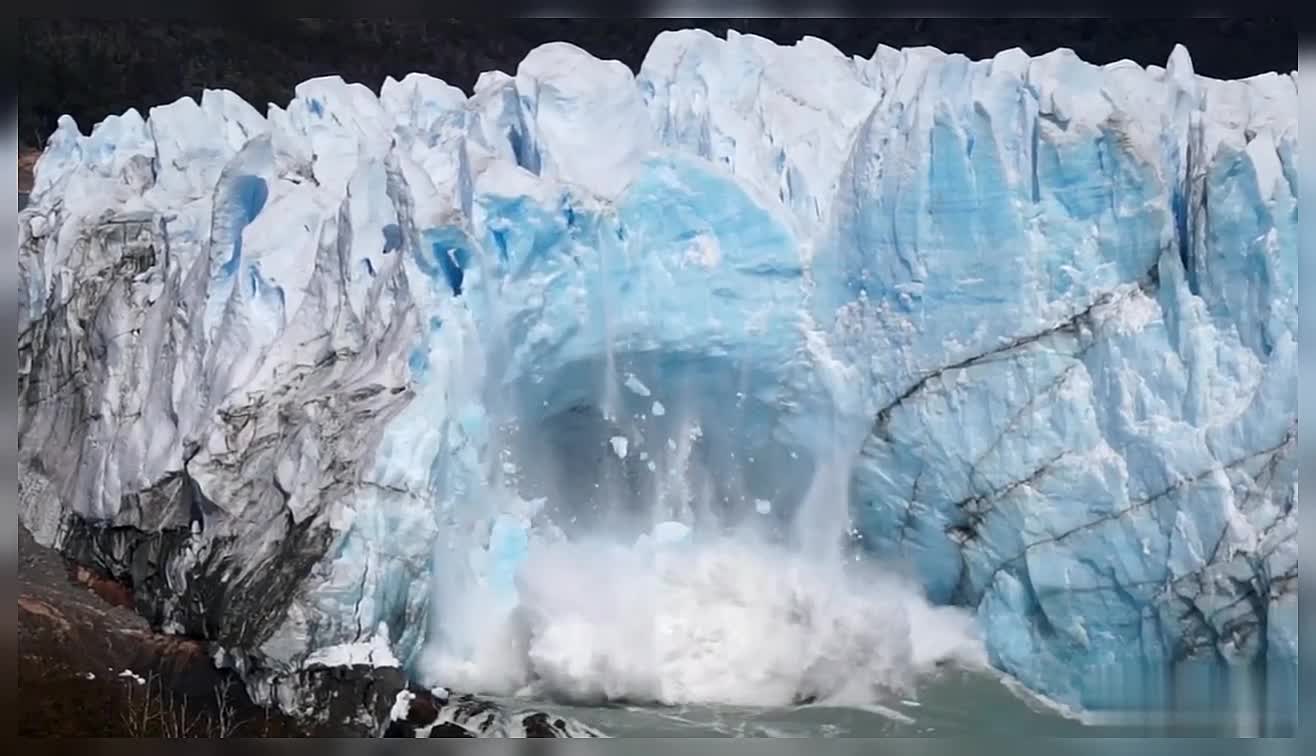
x,y
685,620
693,559
709,605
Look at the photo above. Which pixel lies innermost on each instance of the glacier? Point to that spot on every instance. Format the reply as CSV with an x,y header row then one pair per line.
x,y
316,381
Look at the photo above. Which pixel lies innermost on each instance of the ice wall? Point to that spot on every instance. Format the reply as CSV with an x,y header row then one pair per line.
x,y
1025,324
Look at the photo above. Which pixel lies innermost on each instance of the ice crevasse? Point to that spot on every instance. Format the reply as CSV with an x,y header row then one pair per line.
x,y
298,375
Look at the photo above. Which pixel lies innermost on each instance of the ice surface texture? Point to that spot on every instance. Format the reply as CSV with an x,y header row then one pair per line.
x,y
271,360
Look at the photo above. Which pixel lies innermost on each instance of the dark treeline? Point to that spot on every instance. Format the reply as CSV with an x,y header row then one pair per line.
x,y
93,68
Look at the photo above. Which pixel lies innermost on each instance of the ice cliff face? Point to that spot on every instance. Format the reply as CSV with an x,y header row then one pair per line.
x,y
1026,325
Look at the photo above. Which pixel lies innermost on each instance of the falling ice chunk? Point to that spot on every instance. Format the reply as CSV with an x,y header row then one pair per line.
x,y
658,409
671,444
401,705
670,532
763,506
635,385
509,468
619,444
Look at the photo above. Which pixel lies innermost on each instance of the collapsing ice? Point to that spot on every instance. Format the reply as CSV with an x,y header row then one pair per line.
x,y
1024,327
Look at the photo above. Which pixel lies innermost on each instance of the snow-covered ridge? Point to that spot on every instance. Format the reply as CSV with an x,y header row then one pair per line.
x,y
1040,315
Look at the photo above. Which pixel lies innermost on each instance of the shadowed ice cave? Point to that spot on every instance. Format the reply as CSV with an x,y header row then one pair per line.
x,y
684,438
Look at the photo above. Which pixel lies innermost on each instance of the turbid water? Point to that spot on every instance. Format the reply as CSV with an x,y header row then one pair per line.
x,y
954,702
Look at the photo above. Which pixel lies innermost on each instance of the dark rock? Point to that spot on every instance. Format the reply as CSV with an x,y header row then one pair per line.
x,y
422,711
344,701
398,729
449,730
537,726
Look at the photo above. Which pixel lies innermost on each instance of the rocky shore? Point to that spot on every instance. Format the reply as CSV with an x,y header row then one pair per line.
x,y
89,666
